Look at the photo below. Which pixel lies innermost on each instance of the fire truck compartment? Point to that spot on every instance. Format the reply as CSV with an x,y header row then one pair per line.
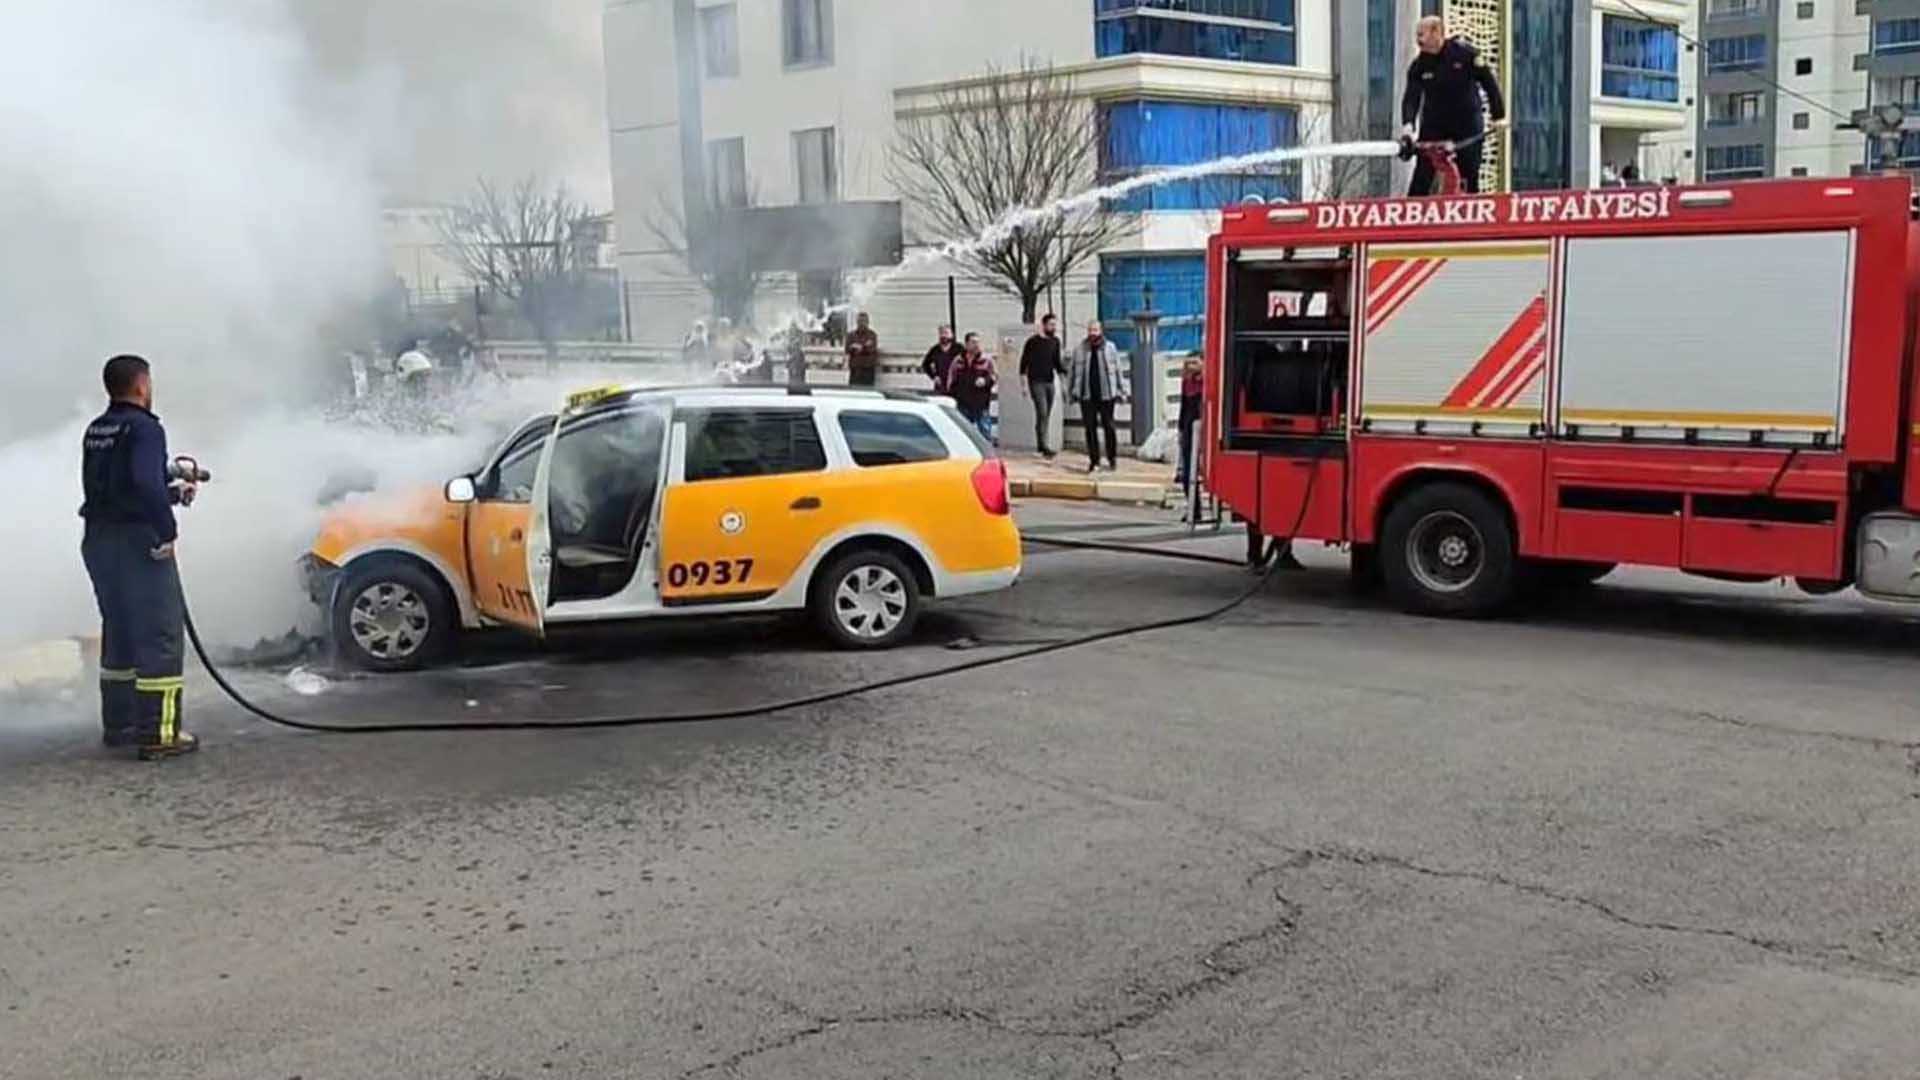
x,y
1290,338
1707,338
1456,338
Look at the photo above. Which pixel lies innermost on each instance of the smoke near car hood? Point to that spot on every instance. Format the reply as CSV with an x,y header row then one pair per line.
x,y
201,181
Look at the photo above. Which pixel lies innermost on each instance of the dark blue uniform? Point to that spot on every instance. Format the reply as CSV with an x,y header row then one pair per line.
x,y
1445,92
129,514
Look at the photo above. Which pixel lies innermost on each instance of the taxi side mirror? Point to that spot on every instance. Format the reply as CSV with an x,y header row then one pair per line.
x,y
460,489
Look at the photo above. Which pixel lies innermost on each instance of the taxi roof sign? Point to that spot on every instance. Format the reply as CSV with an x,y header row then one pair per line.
x,y
585,399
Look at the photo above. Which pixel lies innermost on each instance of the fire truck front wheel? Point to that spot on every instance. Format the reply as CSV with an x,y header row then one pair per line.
x,y
1446,549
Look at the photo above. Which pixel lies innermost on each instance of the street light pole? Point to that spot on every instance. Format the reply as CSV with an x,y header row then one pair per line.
x,y
1884,124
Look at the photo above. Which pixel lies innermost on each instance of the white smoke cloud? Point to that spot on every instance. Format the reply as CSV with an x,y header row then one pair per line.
x,y
200,181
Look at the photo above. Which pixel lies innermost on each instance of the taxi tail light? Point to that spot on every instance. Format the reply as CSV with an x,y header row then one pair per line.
x,y
990,483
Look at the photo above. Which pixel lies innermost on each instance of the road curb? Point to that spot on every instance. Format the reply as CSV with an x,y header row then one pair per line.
x,y
1113,491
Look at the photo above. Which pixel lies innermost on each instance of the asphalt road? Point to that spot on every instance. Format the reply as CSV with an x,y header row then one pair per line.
x,y
1665,830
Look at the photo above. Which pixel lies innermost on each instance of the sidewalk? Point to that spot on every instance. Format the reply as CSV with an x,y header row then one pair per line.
x,y
1066,477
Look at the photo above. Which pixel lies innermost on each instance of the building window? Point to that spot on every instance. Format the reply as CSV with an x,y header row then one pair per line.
x,y
1139,136
817,170
1639,59
1735,9
1906,91
1803,66
1745,162
1896,35
727,172
1909,151
1732,110
1803,11
1540,100
806,32
1260,31
1802,121
1179,285
720,40
1799,170
1748,52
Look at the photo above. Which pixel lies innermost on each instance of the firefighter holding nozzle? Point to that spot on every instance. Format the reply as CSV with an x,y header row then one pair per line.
x,y
1446,85
131,488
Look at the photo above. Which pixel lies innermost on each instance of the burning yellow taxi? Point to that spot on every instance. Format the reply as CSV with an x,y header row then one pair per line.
x,y
853,505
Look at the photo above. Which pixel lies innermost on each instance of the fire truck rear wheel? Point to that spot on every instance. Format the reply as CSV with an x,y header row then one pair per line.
x,y
1446,549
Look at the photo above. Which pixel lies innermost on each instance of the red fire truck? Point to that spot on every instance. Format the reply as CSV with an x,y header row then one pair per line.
x,y
1476,392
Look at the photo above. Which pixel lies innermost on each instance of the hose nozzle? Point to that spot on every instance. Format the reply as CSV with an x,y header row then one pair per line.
x,y
184,469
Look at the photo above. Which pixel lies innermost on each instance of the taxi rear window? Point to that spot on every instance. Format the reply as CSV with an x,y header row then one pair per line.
x,y
727,443
890,438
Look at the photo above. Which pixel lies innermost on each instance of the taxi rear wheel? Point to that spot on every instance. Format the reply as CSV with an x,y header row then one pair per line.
x,y
866,600
391,615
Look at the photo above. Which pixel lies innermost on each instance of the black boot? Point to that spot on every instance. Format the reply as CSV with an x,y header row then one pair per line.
x,y
118,710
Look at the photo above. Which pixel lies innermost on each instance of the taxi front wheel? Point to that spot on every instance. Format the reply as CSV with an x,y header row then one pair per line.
x,y
866,600
392,615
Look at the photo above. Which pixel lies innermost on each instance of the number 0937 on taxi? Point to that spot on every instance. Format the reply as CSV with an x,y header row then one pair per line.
x,y
855,506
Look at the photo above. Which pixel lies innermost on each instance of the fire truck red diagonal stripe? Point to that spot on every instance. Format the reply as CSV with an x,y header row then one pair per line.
x,y
1502,357
1396,294
1531,364
1379,274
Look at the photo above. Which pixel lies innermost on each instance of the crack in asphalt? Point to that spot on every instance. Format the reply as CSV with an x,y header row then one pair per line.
x,y
1795,950
1225,963
370,846
1878,742
820,1025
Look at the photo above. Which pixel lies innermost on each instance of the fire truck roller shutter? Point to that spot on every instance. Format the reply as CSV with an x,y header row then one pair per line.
x,y
1719,335
1456,338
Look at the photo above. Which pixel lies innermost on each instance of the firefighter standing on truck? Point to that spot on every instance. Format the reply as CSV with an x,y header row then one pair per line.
x,y
1445,86
128,549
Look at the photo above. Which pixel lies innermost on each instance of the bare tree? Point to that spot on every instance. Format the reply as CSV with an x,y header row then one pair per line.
x,y
1014,139
730,280
517,243
1328,178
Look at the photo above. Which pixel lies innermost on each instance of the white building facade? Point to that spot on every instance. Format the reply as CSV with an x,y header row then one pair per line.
x,y
1777,79
797,102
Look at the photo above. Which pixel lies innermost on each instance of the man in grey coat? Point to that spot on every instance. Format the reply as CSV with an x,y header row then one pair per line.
x,y
1097,379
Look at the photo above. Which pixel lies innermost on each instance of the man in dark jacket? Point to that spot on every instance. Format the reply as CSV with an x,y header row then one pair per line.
x,y
128,551
970,383
863,354
1040,363
940,358
1445,86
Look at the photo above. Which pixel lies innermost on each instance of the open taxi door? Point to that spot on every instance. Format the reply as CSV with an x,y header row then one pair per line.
x,y
510,550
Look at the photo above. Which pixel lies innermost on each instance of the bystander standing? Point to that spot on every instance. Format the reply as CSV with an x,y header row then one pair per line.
x,y
970,383
940,358
1097,381
1191,384
863,354
1039,364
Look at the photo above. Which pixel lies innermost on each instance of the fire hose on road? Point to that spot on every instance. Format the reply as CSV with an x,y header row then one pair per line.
x,y
805,701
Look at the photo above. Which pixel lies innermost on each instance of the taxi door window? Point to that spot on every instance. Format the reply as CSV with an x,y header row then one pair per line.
x,y
512,476
729,443
601,489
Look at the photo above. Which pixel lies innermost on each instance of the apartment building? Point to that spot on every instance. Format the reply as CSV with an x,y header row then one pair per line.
x,y
1778,78
1888,57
